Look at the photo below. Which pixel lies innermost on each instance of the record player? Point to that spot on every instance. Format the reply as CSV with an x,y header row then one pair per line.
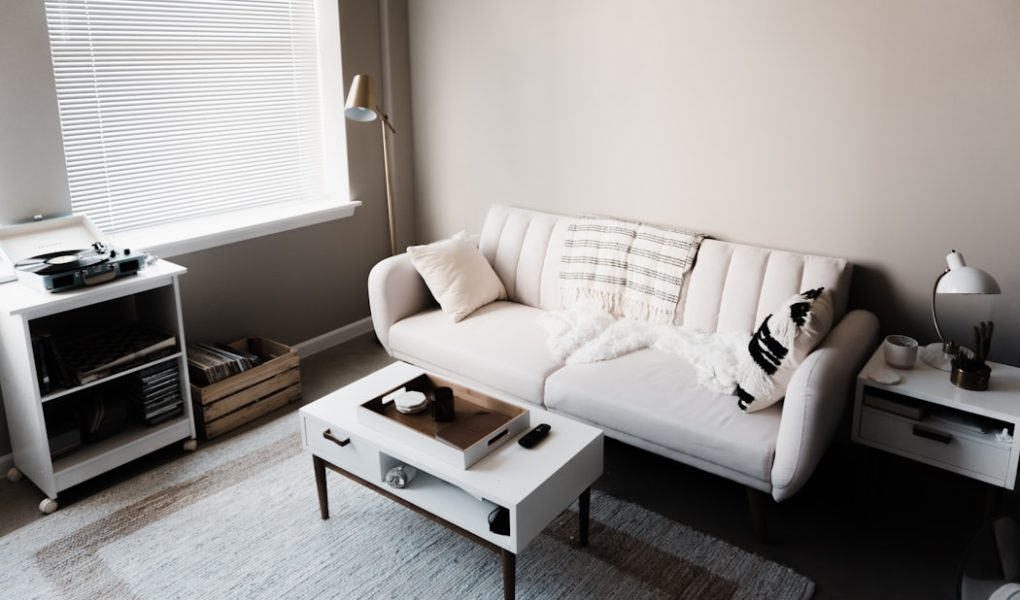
x,y
65,253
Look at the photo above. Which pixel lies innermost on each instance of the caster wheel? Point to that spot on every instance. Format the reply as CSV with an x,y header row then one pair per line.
x,y
190,445
13,475
47,506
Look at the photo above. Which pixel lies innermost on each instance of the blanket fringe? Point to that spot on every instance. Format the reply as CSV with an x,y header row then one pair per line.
x,y
629,308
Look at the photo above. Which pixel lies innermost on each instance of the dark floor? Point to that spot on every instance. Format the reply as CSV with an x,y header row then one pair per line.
x,y
868,525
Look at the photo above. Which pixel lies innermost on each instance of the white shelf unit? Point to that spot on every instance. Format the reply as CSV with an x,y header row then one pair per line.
x,y
152,298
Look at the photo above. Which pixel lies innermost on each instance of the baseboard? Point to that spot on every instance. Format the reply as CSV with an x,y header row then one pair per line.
x,y
332,338
6,462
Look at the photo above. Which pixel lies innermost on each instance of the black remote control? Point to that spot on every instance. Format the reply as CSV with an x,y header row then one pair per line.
x,y
533,437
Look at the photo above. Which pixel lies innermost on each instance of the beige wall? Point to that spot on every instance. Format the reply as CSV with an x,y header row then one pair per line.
x,y
290,286
885,132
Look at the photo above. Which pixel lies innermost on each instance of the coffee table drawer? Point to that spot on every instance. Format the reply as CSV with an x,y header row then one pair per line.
x,y
341,448
937,443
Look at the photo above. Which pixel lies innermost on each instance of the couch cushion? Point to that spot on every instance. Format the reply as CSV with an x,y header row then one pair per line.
x,y
781,343
499,346
732,287
524,247
457,274
656,397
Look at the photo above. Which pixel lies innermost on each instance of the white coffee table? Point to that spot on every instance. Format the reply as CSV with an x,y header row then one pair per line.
x,y
534,485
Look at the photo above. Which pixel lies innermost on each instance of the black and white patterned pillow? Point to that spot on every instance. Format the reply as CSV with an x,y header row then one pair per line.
x,y
777,348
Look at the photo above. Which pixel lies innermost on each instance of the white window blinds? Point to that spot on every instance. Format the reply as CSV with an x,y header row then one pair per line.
x,y
176,109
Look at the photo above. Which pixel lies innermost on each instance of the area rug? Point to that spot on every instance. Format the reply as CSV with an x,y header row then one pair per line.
x,y
240,520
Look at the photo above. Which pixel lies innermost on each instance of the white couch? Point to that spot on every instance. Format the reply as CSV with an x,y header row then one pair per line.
x,y
649,399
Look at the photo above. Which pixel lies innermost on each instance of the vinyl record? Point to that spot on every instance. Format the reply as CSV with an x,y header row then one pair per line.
x,y
60,262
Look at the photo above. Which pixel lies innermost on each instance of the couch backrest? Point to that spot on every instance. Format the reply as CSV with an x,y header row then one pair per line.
x,y
731,286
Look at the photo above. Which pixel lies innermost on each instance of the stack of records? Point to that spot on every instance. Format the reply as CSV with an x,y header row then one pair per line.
x,y
102,354
209,364
156,392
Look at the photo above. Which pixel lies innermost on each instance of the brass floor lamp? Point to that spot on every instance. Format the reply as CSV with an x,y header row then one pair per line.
x,y
361,107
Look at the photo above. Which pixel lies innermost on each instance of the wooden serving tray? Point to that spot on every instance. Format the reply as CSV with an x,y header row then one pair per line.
x,y
481,423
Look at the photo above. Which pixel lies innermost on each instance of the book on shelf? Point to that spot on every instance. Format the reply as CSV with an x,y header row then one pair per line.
x,y
903,408
51,370
42,371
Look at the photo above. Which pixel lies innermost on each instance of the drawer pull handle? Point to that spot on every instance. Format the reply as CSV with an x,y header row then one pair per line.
x,y
339,442
932,434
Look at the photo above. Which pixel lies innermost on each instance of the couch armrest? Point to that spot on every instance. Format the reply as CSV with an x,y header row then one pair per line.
x,y
816,398
395,291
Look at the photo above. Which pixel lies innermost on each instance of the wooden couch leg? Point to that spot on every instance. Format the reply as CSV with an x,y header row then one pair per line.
x,y
757,501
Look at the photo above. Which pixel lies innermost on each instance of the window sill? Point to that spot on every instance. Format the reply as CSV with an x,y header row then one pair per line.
x,y
208,232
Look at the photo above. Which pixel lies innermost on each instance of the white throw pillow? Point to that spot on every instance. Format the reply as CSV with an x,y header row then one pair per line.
x,y
782,342
457,274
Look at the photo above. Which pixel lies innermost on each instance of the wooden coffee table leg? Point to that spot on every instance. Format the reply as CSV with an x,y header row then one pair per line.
x,y
509,574
320,485
583,508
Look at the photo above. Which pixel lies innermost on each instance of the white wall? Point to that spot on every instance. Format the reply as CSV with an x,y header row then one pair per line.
x,y
32,176
887,132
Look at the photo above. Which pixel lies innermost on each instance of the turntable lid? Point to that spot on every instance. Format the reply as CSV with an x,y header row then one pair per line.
x,y
58,234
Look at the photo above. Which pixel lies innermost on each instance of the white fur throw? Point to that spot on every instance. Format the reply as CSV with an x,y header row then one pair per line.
x,y
587,334
628,269
755,369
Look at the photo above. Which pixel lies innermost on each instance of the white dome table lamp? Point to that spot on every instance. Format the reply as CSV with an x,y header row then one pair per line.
x,y
958,278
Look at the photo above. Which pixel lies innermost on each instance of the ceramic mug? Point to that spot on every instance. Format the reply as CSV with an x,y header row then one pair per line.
x,y
442,404
900,351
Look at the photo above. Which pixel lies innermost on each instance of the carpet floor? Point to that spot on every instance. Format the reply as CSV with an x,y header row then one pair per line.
x,y
240,520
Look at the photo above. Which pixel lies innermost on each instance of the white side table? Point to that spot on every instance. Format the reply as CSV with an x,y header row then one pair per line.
x,y
926,418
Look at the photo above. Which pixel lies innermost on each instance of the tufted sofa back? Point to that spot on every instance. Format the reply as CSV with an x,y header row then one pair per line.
x,y
730,288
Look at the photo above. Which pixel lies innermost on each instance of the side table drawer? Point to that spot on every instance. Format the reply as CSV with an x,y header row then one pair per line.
x,y
341,449
937,443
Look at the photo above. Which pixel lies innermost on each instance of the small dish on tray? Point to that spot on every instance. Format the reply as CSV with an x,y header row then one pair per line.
x,y
410,403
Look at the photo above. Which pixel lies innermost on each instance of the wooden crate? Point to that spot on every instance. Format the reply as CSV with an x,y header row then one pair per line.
x,y
228,404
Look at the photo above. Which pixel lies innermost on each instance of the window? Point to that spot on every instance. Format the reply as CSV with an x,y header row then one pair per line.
x,y
175,110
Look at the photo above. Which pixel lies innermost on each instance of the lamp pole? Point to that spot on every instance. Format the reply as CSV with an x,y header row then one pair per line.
x,y
385,124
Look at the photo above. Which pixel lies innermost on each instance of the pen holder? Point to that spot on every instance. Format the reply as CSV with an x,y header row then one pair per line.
x,y
975,380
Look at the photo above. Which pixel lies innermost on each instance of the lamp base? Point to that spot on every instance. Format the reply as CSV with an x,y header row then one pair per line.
x,y
935,356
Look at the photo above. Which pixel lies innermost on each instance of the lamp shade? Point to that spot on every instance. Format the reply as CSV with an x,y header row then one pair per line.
x,y
360,105
961,279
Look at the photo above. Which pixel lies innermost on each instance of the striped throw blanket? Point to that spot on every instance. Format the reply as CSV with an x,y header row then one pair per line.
x,y
631,270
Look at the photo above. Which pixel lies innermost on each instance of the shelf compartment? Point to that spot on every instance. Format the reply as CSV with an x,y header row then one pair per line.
x,y
137,440
129,326
446,501
109,378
